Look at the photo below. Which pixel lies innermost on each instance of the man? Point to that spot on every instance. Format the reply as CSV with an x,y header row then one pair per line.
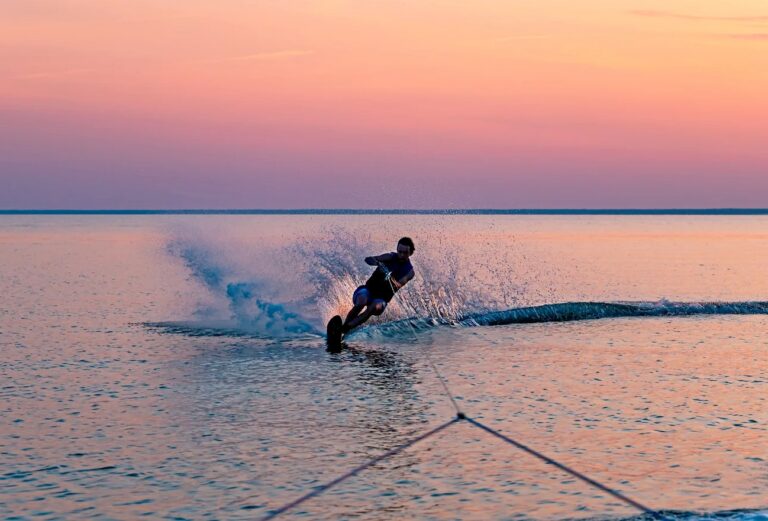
x,y
393,271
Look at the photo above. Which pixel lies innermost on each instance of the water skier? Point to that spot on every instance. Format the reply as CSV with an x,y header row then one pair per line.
x,y
393,271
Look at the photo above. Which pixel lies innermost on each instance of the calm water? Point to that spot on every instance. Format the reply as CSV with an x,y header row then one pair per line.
x,y
172,367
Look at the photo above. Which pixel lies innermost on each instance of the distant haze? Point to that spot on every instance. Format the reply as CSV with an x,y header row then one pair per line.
x,y
371,104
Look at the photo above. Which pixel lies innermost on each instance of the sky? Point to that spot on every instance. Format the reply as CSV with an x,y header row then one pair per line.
x,y
151,104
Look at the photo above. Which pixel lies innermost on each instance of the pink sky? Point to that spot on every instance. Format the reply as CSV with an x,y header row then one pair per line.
x,y
383,104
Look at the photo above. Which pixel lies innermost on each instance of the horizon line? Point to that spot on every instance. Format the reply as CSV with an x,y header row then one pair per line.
x,y
394,211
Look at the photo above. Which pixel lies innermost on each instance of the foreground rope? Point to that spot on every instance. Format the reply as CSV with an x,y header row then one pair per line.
x,y
463,417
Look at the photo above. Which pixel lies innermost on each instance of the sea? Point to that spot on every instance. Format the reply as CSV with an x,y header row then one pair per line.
x,y
173,366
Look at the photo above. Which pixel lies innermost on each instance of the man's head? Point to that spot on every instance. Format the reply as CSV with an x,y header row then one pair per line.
x,y
405,248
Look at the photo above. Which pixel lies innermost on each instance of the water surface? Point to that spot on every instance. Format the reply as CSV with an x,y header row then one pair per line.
x,y
173,366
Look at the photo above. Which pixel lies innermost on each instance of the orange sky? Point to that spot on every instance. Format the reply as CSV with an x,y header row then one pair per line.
x,y
242,103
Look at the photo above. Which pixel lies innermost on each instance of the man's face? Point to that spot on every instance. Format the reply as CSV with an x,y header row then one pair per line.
x,y
403,252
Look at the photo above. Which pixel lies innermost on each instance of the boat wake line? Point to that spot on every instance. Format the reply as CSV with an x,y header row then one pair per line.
x,y
560,312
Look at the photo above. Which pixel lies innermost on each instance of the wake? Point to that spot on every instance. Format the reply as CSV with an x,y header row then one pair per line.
x,y
561,312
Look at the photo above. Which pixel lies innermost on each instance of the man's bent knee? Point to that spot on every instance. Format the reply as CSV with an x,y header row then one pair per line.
x,y
378,307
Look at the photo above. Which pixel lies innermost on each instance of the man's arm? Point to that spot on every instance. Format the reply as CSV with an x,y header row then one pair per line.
x,y
373,261
400,283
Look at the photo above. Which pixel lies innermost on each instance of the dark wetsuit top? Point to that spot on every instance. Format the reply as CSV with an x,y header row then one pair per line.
x,y
379,286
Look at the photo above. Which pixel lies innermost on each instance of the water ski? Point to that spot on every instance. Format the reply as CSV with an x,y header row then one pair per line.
x,y
334,332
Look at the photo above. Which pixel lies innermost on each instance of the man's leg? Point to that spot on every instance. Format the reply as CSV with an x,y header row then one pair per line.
x,y
353,313
376,307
